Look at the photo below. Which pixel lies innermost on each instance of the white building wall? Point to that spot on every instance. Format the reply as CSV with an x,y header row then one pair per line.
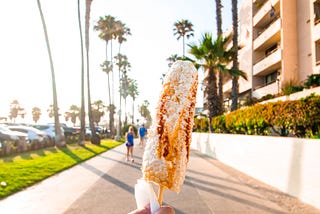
x,y
289,164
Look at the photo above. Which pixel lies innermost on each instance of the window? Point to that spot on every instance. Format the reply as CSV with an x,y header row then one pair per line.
x,y
316,7
271,78
270,50
317,52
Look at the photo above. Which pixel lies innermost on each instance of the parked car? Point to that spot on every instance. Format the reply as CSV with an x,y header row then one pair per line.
x,y
89,134
49,129
7,134
33,133
14,136
68,131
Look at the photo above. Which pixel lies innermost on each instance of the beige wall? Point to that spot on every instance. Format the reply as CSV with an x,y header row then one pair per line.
x,y
304,39
245,41
289,42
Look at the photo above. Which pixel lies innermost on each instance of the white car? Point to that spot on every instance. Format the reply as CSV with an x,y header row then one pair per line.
x,y
12,135
49,129
33,133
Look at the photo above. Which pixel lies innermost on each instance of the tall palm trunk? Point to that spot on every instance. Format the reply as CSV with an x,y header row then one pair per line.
x,y
59,139
235,64
183,47
133,110
119,111
211,86
95,138
81,140
218,18
111,106
108,75
219,33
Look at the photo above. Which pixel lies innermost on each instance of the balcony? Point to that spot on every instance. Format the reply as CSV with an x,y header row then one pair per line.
x,y
263,12
266,89
227,87
271,62
270,34
316,32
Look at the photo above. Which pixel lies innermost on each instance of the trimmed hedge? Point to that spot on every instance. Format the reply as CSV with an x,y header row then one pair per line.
x,y
300,118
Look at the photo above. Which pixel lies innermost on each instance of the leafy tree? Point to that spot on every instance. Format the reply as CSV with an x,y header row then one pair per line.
x,y
59,139
182,29
36,113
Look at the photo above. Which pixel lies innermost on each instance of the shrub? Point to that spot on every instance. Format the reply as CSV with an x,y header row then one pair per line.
x,y
313,80
300,118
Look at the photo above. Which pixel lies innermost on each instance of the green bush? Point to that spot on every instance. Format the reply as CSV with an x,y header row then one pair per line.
x,y
300,118
313,80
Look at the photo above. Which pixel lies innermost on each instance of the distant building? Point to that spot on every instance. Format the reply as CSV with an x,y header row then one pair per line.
x,y
279,44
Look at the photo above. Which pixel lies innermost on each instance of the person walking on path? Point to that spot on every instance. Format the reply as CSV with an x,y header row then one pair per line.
x,y
130,143
142,135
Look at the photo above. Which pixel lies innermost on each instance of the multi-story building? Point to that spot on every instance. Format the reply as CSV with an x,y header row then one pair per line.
x,y
279,44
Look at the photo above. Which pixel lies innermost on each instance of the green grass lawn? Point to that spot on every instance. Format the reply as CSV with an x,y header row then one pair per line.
x,y
23,170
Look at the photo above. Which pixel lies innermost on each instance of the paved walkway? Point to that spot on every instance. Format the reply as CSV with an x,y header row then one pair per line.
x,y
105,184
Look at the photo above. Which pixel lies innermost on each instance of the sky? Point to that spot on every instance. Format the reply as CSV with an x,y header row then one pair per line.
x,y
25,70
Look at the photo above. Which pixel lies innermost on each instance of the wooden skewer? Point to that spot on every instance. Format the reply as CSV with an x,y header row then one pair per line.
x,y
160,194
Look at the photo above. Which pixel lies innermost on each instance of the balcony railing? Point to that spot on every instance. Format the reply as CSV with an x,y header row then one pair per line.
x,y
267,62
266,33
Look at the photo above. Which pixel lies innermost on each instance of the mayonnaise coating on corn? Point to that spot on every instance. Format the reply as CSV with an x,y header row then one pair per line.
x,y
166,154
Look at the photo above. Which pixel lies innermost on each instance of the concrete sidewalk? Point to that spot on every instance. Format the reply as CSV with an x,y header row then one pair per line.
x,y
105,184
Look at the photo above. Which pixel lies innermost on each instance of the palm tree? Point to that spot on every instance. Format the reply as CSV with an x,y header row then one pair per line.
x,y
123,65
15,110
50,111
98,111
73,114
107,27
94,137
218,17
172,59
219,33
107,67
205,52
36,113
59,139
133,93
124,94
214,58
82,134
235,64
122,31
145,113
183,29
124,83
